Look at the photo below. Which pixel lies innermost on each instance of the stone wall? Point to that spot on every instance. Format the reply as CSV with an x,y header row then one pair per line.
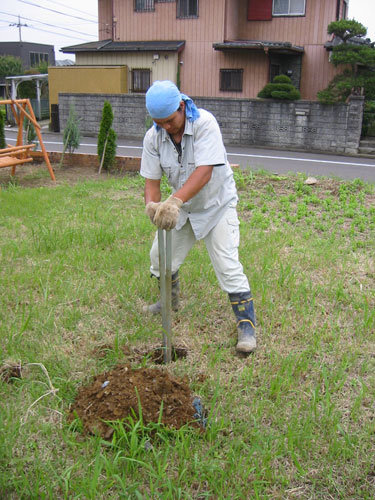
x,y
298,125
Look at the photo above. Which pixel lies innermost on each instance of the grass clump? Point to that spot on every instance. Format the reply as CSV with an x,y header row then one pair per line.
x,y
293,420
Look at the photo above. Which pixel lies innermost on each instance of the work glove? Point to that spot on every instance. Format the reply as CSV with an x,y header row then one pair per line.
x,y
151,208
167,213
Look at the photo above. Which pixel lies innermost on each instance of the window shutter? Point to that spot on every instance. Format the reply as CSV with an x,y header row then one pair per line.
x,y
259,10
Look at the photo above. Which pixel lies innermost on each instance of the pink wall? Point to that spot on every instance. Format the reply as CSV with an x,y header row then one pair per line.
x,y
221,20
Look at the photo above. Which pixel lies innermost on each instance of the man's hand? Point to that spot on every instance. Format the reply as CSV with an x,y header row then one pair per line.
x,y
151,208
167,213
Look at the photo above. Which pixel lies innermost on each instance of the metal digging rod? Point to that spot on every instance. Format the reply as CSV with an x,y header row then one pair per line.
x,y
165,267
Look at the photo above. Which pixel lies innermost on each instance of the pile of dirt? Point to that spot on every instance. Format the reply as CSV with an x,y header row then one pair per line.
x,y
116,395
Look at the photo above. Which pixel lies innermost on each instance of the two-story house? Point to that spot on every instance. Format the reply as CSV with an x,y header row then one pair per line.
x,y
220,48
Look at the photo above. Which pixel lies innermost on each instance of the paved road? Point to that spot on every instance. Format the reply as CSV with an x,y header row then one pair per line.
x,y
281,162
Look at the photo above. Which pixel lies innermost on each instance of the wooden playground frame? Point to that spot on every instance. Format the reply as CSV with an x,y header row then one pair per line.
x,y
21,153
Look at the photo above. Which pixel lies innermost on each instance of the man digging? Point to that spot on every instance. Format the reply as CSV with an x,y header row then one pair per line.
x,y
186,145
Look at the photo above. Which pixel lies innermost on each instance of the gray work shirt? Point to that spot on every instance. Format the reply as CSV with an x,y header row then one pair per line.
x,y
201,144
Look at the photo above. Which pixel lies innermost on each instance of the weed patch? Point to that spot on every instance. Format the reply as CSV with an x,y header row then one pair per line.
x,y
293,420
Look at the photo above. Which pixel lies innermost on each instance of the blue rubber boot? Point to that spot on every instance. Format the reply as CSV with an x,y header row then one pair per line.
x,y
243,308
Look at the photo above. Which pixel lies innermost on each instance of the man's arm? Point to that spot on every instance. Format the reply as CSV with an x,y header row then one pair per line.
x,y
152,197
197,180
152,190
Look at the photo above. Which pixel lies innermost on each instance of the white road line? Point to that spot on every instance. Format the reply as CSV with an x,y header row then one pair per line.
x,y
247,155
304,159
91,144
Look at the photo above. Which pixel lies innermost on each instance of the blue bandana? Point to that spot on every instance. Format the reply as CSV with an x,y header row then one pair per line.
x,y
163,99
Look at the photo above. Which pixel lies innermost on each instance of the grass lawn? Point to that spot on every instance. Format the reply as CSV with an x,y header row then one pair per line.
x,y
294,420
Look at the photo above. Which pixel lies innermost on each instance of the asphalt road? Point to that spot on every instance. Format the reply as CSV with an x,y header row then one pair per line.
x,y
276,161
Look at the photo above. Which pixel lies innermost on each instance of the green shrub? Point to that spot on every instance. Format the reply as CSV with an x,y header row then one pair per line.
x,y
282,79
31,136
368,123
72,134
10,66
280,88
110,150
359,57
106,138
148,122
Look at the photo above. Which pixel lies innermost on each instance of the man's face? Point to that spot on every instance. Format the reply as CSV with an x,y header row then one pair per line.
x,y
175,123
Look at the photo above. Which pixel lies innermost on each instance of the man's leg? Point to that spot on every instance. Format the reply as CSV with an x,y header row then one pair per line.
x,y
222,244
182,241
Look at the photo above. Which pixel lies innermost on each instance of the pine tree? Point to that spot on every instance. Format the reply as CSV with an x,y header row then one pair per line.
x,y
106,138
353,51
280,88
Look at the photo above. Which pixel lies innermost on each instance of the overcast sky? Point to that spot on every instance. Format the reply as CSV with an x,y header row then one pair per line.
x,y
55,22
70,22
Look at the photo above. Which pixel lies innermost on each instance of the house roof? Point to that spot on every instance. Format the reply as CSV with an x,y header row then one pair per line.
x,y
64,62
355,40
265,45
110,46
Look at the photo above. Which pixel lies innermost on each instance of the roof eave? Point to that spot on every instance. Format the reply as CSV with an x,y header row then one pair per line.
x,y
141,46
282,47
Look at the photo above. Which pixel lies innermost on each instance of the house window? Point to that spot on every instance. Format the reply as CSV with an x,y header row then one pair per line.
x,y
140,80
288,8
345,10
187,8
143,5
231,80
37,57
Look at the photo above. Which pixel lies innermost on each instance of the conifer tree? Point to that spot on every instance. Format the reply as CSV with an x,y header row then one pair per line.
x,y
357,55
31,136
107,138
72,133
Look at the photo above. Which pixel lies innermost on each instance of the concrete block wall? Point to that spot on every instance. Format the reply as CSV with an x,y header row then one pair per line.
x,y
298,125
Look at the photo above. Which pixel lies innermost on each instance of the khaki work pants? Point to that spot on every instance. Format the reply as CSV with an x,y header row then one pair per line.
x,y
222,245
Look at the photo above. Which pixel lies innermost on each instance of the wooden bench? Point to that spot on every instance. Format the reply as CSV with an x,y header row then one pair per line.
x,y
16,155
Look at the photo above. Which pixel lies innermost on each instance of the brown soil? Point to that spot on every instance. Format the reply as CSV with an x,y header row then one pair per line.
x,y
117,394
10,371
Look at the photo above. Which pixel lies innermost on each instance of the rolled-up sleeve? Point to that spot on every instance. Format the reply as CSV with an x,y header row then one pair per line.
x,y
208,143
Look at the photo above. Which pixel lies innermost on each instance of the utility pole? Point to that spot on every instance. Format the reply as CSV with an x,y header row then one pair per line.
x,y
19,26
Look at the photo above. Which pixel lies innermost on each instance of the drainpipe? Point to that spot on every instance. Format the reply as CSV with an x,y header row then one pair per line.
x,y
113,21
225,21
338,10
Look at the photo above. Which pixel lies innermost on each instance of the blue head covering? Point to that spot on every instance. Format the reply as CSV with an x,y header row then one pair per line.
x,y
163,99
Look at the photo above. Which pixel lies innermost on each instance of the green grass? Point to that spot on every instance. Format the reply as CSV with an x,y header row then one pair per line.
x,y
295,420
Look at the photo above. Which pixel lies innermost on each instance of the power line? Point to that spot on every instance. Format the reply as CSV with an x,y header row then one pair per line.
x,y
46,31
47,24
61,34
57,11
72,8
